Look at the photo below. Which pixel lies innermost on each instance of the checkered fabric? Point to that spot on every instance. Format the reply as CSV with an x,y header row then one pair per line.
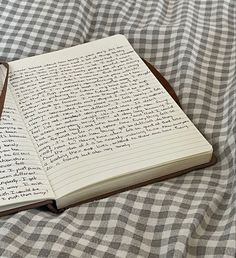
x,y
193,44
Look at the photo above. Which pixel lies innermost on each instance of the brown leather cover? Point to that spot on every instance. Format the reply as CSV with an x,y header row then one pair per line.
x,y
169,89
51,204
4,88
163,81
27,207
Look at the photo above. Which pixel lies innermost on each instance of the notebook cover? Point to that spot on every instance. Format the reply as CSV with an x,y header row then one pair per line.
x,y
27,207
169,89
51,203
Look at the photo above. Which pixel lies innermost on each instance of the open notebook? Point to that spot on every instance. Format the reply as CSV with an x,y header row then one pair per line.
x,y
86,121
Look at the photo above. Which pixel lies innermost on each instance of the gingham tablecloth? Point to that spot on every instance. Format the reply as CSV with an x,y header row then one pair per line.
x,y
193,44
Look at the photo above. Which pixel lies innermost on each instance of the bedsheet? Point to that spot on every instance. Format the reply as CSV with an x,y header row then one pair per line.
x,y
193,44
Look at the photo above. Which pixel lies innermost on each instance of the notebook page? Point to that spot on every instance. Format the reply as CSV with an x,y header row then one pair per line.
x,y
95,111
22,178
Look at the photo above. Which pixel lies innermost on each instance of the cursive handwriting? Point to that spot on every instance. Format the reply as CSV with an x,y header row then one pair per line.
x,y
21,174
91,104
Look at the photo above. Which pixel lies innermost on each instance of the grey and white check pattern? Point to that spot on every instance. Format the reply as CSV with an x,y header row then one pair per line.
x,y
193,44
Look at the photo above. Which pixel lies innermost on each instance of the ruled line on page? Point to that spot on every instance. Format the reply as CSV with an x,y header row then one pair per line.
x,y
136,160
122,158
140,145
105,174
